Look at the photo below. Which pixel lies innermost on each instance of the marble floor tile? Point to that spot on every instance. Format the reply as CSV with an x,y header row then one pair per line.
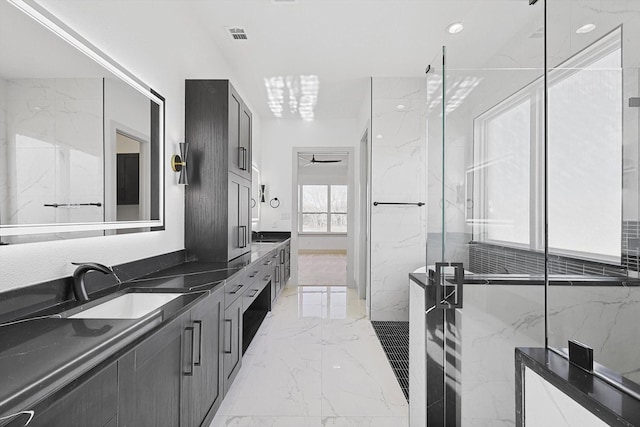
x,y
316,361
238,421
365,421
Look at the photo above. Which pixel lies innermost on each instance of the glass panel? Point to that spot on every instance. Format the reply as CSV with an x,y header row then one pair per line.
x,y
338,198
314,198
594,221
485,124
314,223
339,223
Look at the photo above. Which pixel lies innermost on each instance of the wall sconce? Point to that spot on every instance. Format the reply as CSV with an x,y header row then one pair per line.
x,y
262,191
179,163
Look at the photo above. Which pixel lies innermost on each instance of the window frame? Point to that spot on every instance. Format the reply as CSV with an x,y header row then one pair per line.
x,y
475,215
329,211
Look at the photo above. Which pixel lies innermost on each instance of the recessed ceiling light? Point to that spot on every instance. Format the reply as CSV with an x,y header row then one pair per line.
x,y
379,136
586,28
400,107
455,28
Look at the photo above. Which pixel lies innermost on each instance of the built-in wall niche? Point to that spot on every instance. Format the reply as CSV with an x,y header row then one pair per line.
x,y
82,138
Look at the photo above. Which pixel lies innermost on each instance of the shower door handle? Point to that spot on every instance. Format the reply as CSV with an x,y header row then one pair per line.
x,y
449,295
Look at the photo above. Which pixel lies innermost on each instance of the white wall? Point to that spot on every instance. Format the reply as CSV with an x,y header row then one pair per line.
x,y
279,139
163,61
323,243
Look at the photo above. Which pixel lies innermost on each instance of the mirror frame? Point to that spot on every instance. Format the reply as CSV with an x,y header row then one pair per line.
x,y
60,29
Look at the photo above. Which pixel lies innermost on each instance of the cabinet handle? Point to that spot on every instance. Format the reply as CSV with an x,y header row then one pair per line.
x,y
278,274
230,323
243,239
254,274
190,372
281,256
199,323
268,262
242,158
267,278
235,291
255,291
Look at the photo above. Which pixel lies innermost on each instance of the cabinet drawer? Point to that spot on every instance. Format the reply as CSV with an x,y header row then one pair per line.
x,y
254,290
235,288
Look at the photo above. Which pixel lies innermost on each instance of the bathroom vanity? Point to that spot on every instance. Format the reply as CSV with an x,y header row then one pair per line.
x,y
169,367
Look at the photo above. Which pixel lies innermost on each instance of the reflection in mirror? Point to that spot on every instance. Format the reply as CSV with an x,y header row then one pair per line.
x,y
81,139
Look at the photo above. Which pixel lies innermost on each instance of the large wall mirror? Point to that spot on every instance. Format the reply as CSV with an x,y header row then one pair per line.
x,y
81,139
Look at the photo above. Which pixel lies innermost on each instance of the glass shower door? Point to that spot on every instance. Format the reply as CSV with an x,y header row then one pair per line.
x,y
485,224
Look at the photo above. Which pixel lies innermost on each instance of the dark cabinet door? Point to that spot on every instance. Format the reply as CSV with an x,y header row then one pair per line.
x,y
88,403
150,377
245,143
235,232
245,213
204,389
239,231
237,156
287,263
232,346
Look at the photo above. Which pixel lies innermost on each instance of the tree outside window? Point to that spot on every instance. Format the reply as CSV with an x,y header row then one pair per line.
x,y
323,209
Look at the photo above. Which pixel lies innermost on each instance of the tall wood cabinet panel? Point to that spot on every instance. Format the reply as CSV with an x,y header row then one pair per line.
x,y
150,377
218,129
204,389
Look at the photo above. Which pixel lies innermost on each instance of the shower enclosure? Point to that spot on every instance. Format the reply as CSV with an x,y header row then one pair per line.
x,y
533,228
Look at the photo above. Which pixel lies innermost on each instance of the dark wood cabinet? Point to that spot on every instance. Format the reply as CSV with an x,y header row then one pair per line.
x,y
218,198
204,390
232,346
287,263
239,230
240,121
150,377
91,401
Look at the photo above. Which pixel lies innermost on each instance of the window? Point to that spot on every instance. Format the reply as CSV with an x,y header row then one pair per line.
x,y
584,160
323,209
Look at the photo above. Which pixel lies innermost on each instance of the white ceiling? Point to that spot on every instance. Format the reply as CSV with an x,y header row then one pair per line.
x,y
343,42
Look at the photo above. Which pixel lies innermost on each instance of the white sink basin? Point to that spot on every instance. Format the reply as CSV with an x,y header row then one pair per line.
x,y
127,306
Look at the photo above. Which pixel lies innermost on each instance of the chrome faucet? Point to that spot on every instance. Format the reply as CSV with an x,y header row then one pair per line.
x,y
79,290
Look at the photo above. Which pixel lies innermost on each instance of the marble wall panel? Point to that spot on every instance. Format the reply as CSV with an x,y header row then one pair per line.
x,y
602,317
398,168
545,405
494,321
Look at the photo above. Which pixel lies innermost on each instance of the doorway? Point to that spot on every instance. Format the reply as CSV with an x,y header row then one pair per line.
x,y
323,211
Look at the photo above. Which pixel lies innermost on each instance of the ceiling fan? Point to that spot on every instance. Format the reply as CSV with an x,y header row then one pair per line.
x,y
314,160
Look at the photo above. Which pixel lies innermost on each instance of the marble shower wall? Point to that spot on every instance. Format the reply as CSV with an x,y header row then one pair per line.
x,y
398,171
602,317
51,134
495,319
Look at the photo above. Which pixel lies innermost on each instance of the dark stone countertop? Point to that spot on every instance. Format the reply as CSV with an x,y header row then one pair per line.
x,y
41,354
601,398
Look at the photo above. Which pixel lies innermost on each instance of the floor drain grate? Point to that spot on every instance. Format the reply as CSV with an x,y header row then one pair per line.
x,y
394,337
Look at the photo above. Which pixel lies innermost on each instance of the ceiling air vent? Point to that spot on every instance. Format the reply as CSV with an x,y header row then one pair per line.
x,y
237,33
